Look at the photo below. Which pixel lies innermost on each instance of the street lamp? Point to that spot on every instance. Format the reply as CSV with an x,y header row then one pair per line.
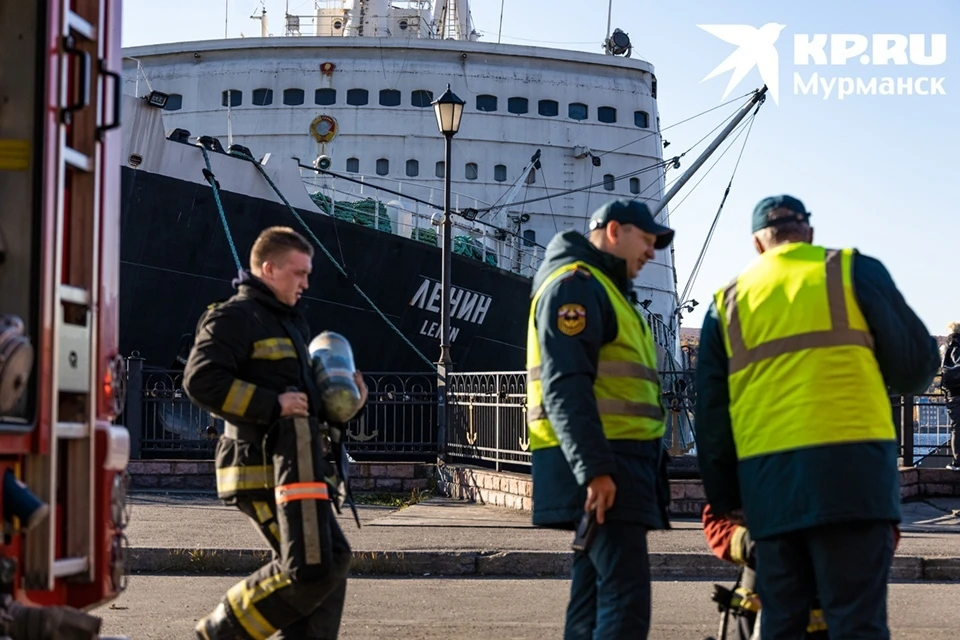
x,y
449,109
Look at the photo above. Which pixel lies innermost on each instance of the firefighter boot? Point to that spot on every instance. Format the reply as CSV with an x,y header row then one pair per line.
x,y
216,626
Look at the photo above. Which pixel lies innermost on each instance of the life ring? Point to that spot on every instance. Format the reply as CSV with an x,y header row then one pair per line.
x,y
323,128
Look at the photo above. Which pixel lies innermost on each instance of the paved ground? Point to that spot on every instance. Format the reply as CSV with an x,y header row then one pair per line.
x,y
196,521
167,607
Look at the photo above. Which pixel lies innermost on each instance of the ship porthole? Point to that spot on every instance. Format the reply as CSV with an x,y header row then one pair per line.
x,y
135,160
403,25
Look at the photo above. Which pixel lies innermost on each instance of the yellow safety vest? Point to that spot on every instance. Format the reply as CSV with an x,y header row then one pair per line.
x,y
627,387
802,370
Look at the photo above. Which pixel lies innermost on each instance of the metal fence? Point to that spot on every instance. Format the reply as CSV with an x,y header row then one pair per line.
x,y
399,423
486,419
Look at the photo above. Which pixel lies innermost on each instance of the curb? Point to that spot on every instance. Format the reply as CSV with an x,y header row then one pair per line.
x,y
515,564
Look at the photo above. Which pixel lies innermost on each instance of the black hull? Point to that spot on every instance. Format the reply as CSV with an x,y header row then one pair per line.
x,y
176,260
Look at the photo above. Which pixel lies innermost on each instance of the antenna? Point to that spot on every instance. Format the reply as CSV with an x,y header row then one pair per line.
x,y
226,17
609,18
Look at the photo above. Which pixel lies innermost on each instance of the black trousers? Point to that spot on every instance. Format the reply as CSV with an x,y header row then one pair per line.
x,y
301,592
847,565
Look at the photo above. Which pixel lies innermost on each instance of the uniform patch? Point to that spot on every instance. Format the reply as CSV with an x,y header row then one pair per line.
x,y
571,319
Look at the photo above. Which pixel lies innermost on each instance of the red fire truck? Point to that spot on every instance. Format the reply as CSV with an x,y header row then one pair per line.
x,y
62,459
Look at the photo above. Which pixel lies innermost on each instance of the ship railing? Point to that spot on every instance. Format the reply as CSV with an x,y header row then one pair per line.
x,y
369,206
923,429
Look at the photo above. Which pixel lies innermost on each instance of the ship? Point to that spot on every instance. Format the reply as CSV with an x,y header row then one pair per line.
x,y
329,128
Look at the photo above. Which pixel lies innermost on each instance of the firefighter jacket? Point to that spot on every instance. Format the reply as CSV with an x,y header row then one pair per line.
x,y
795,359
248,350
593,394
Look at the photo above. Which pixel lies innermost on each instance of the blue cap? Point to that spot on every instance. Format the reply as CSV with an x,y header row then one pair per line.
x,y
632,212
777,210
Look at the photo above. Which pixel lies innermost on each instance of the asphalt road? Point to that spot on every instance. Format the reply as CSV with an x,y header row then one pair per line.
x,y
167,607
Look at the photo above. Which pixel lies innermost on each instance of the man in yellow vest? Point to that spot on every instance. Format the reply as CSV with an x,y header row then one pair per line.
x,y
595,415
794,425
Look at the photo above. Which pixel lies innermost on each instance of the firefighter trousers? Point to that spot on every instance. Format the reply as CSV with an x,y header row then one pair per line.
x,y
300,593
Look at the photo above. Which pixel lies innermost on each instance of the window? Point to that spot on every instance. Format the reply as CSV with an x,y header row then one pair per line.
x,y
357,97
634,185
609,182
470,171
500,173
529,237
549,108
440,170
353,165
383,167
262,97
577,111
235,97
325,96
486,103
174,102
413,168
518,105
607,114
293,96
641,119
389,98
421,98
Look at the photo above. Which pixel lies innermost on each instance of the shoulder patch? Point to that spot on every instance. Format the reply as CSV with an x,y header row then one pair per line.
x,y
571,319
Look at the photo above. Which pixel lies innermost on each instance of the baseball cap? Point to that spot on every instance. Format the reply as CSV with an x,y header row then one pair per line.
x,y
777,210
632,212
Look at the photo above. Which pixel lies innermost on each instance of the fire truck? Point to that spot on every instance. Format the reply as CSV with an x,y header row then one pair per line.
x,y
62,457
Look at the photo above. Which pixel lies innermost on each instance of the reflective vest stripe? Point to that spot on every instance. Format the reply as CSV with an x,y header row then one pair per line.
x,y
617,369
301,491
609,406
839,334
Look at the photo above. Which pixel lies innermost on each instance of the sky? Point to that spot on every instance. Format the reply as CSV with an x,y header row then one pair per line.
x,y
878,173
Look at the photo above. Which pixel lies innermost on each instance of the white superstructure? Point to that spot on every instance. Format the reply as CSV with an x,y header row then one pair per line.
x,y
358,95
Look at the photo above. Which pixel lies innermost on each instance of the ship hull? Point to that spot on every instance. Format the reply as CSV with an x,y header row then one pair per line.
x,y
176,259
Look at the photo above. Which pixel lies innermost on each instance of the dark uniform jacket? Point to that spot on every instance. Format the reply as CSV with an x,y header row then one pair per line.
x,y
561,474
248,350
816,485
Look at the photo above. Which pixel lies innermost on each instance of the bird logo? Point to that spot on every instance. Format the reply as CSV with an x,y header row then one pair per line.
x,y
755,48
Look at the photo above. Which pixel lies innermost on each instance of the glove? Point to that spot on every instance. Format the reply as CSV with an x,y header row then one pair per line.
x,y
743,548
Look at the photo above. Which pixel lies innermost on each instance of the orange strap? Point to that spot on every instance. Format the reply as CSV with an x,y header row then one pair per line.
x,y
301,491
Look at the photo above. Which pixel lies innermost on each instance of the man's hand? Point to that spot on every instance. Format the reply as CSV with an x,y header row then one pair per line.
x,y
362,386
601,492
294,403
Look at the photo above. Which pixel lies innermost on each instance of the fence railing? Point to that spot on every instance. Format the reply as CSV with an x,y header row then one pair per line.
x,y
486,413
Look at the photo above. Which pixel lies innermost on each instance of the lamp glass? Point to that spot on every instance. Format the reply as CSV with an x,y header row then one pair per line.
x,y
448,109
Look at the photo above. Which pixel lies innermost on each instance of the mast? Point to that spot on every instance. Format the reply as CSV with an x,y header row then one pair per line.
x,y
709,151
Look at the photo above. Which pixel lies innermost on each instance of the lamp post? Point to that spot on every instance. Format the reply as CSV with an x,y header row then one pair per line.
x,y
448,108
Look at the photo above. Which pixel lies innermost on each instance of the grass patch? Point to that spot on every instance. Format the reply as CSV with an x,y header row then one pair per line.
x,y
397,500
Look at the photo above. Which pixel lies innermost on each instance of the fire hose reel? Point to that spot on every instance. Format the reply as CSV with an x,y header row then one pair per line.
x,y
16,362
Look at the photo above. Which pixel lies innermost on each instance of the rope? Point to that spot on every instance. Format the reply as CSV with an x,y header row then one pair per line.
x,y
208,174
330,257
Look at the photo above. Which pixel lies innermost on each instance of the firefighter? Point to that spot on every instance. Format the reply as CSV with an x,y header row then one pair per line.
x,y
250,366
595,415
794,424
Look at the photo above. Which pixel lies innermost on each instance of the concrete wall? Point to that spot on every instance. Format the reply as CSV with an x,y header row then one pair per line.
x,y
686,496
200,476
484,486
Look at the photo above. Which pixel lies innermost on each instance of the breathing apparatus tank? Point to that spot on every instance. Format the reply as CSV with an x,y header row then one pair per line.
x,y
333,368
